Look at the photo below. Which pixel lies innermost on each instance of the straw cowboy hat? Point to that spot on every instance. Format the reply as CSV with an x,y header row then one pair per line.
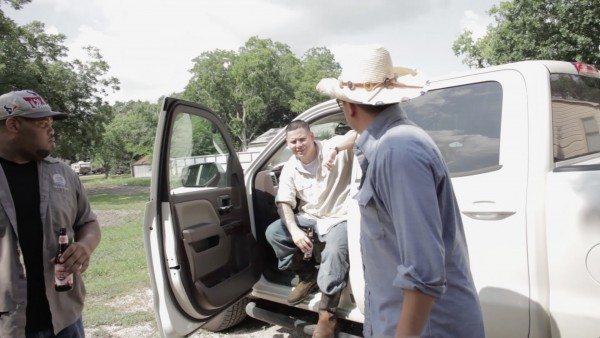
x,y
370,78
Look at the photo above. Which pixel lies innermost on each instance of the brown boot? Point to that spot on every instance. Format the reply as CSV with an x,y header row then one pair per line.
x,y
308,282
307,275
327,323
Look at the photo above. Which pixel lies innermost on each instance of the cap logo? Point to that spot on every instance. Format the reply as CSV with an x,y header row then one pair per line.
x,y
34,101
9,110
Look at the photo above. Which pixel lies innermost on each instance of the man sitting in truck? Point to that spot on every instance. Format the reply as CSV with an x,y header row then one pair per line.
x,y
318,175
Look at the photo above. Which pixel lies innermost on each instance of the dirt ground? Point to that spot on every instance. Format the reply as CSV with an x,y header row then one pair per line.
x,y
142,300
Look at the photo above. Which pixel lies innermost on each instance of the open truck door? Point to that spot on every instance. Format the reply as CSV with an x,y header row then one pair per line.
x,y
201,252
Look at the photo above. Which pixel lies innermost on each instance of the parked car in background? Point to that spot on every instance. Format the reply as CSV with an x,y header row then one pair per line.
x,y
522,144
98,170
82,168
120,170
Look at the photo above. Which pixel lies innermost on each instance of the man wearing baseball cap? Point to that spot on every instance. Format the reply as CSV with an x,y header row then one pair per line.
x,y
38,196
417,275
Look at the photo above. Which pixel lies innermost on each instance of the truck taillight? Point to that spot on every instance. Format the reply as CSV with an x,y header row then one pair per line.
x,y
586,69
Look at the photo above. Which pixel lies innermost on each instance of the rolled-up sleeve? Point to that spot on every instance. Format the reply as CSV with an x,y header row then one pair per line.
x,y
286,192
407,188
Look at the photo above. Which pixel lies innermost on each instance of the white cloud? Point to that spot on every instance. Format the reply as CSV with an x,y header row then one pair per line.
x,y
475,23
150,44
51,30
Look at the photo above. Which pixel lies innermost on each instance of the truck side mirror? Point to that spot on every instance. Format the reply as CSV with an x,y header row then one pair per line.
x,y
201,175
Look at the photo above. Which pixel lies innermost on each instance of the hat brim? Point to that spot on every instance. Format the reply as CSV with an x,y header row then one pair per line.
x,y
378,96
54,114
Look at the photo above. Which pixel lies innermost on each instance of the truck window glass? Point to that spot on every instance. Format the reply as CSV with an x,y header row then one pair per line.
x,y
197,154
575,115
464,122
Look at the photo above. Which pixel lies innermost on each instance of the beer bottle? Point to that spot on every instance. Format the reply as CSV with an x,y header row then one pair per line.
x,y
310,234
63,281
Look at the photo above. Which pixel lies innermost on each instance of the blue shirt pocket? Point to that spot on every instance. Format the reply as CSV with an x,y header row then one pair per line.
x,y
371,225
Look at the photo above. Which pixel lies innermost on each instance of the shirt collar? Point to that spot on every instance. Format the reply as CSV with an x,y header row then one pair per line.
x,y
50,159
366,143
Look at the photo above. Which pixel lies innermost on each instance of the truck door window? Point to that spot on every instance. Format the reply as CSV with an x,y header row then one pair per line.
x,y
464,122
575,115
198,154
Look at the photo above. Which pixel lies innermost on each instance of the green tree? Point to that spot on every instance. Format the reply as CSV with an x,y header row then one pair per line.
x,y
263,85
317,63
263,89
16,4
33,59
129,136
244,89
535,29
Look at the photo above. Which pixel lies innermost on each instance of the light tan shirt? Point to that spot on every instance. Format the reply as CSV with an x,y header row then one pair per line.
x,y
322,196
63,203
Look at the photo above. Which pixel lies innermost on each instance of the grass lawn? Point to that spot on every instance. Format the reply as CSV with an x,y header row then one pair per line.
x,y
94,181
117,277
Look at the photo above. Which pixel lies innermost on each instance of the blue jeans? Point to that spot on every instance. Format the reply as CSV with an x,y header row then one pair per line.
x,y
74,330
333,270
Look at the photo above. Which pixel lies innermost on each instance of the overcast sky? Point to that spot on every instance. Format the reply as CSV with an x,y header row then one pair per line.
x,y
150,44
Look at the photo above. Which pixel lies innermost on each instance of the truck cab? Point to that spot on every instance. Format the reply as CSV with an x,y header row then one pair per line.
x,y
522,145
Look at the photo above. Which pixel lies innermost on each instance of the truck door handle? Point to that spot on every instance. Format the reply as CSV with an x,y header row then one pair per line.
x,y
488,215
486,210
225,204
225,209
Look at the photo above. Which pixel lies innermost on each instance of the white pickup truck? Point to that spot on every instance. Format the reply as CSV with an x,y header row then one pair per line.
x,y
522,143
82,168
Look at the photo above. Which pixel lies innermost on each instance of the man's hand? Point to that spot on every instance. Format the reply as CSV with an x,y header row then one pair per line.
x,y
301,239
76,258
329,158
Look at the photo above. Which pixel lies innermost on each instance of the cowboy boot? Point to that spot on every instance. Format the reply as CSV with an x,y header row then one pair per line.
x,y
327,323
307,275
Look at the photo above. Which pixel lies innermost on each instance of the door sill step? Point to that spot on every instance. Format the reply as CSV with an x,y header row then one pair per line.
x,y
300,325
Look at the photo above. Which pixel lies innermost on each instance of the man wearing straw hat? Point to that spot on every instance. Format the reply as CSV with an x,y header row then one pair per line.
x,y
417,275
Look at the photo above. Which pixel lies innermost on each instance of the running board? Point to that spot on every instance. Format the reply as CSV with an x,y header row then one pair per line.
x,y
301,326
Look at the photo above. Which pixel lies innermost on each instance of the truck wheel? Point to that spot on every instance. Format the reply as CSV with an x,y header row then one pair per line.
x,y
228,318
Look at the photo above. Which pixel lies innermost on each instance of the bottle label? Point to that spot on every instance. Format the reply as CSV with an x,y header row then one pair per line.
x,y
62,277
63,239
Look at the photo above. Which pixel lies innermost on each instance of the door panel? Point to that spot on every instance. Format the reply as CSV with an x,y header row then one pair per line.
x,y
480,125
208,246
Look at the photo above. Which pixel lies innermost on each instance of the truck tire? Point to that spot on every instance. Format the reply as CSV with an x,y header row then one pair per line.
x,y
232,316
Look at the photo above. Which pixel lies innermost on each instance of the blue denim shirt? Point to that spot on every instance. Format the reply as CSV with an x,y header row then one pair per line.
x,y
412,235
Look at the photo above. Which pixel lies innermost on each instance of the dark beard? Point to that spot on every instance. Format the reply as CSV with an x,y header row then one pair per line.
x,y
42,153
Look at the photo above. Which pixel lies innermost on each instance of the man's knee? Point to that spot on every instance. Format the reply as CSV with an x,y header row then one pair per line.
x,y
274,231
334,253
